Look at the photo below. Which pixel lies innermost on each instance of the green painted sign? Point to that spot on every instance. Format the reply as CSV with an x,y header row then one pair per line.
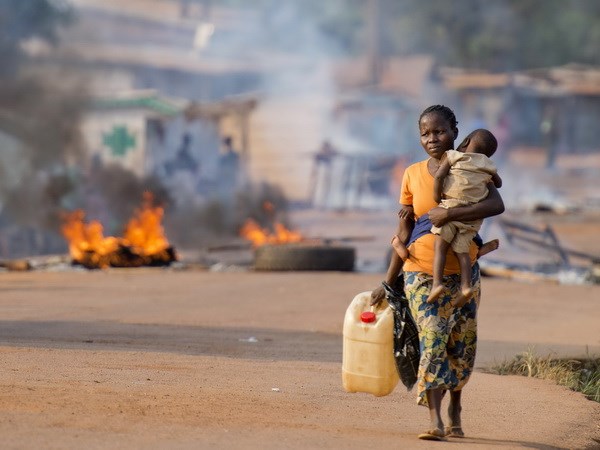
x,y
119,140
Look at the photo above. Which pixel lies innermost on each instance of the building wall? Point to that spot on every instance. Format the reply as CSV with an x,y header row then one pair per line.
x,y
284,133
117,136
184,154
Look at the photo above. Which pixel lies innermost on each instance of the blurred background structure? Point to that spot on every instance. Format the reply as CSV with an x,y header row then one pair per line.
x,y
216,106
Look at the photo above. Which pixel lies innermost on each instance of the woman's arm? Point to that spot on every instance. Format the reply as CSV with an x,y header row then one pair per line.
x,y
492,205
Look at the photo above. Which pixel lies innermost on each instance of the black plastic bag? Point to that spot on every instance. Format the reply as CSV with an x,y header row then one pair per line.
x,y
406,334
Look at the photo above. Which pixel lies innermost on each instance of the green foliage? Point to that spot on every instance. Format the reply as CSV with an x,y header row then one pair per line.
x,y
497,35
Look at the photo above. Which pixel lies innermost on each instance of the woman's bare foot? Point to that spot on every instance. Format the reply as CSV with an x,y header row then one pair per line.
x,y
436,291
436,434
400,247
454,428
488,247
436,431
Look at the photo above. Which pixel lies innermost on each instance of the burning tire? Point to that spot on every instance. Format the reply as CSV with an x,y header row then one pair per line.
x,y
304,257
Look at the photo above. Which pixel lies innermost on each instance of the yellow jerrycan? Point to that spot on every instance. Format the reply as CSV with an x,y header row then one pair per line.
x,y
368,363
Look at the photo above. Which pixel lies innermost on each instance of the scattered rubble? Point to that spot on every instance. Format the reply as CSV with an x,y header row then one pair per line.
x,y
556,268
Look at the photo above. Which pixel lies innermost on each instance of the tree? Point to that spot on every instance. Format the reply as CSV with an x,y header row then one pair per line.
x,y
498,35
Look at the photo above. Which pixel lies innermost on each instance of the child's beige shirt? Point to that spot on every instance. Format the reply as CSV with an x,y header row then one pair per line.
x,y
468,178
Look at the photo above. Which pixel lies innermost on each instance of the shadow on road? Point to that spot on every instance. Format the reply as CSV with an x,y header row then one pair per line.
x,y
247,343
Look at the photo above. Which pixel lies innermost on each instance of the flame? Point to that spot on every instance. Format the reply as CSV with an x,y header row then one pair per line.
x,y
144,232
253,232
144,236
84,238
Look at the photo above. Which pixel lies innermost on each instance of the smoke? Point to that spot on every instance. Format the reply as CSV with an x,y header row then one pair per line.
x,y
39,120
297,93
281,54
217,220
45,167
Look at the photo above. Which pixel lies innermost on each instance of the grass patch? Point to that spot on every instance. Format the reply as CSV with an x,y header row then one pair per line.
x,y
581,375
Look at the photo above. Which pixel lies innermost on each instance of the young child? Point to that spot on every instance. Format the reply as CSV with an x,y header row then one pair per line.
x,y
460,180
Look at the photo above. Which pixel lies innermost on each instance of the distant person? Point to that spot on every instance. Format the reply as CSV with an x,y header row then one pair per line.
x,y
549,131
322,161
326,153
461,179
502,131
183,159
229,167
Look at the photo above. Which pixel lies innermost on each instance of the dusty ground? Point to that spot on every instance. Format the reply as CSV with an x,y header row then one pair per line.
x,y
164,358
191,359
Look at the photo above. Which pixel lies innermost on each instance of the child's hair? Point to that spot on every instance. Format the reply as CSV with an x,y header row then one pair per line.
x,y
485,142
446,112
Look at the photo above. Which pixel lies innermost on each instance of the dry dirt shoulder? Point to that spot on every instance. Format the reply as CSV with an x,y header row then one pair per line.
x,y
131,359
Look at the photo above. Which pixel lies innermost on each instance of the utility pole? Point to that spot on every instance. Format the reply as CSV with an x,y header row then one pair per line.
x,y
374,41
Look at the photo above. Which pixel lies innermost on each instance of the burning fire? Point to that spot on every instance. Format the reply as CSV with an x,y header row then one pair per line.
x,y
253,232
85,238
144,241
144,232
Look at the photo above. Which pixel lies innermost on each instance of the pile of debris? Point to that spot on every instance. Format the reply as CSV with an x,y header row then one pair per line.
x,y
143,243
558,268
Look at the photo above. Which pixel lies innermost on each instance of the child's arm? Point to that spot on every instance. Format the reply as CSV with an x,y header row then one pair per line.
x,y
406,224
406,212
440,176
497,180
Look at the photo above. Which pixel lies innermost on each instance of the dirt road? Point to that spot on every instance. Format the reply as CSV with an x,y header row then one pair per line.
x,y
154,358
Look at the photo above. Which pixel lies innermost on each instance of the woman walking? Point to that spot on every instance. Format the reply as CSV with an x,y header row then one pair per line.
x,y
447,334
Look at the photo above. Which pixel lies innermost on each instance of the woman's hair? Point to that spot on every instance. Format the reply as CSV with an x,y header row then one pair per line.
x,y
446,112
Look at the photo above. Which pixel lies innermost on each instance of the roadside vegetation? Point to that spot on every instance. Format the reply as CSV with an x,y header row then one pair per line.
x,y
580,374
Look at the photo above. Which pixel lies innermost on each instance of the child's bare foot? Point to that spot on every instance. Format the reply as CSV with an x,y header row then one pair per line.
x,y
488,247
400,247
463,297
435,293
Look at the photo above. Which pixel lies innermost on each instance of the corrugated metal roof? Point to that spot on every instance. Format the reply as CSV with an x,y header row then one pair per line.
x,y
138,100
406,75
454,78
238,105
570,79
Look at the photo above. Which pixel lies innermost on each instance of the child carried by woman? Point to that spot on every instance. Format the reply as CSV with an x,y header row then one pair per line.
x,y
461,179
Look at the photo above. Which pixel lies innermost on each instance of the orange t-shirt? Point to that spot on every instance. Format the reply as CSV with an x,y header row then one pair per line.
x,y
417,190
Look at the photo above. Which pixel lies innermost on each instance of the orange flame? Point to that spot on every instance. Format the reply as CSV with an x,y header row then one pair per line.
x,y
252,231
144,234
84,238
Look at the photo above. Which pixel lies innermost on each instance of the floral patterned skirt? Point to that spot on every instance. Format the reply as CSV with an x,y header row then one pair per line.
x,y
447,335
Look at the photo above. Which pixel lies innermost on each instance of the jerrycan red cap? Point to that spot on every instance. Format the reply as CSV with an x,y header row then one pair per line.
x,y
368,317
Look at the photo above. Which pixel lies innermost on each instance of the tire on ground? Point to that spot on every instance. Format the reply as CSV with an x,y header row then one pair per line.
x,y
304,257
